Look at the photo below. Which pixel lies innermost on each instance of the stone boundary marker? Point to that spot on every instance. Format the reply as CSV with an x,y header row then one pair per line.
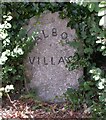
x,y
45,64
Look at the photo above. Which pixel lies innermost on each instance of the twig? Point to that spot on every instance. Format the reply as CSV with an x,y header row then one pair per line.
x,y
11,101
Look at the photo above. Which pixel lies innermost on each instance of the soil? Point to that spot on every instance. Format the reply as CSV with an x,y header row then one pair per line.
x,y
28,108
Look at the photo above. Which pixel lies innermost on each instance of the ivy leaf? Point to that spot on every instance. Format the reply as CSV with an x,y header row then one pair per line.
x,y
97,7
91,7
87,86
83,34
102,21
102,12
102,4
96,77
85,4
74,44
102,98
88,50
104,53
100,85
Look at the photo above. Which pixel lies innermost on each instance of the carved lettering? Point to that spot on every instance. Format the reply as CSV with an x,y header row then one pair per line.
x,y
64,35
31,61
45,63
52,63
45,36
54,32
61,60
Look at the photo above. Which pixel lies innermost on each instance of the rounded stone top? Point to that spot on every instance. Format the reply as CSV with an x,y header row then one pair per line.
x,y
46,63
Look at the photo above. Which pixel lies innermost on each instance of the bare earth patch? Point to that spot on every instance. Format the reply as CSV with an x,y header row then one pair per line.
x,y
29,108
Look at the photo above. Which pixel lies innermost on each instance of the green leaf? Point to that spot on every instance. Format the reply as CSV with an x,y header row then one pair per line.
x,y
97,7
74,44
85,4
87,86
102,4
103,21
104,53
96,77
88,50
91,7
102,98
102,12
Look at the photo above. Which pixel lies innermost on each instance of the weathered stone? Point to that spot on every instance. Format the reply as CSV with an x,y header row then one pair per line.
x,y
45,64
